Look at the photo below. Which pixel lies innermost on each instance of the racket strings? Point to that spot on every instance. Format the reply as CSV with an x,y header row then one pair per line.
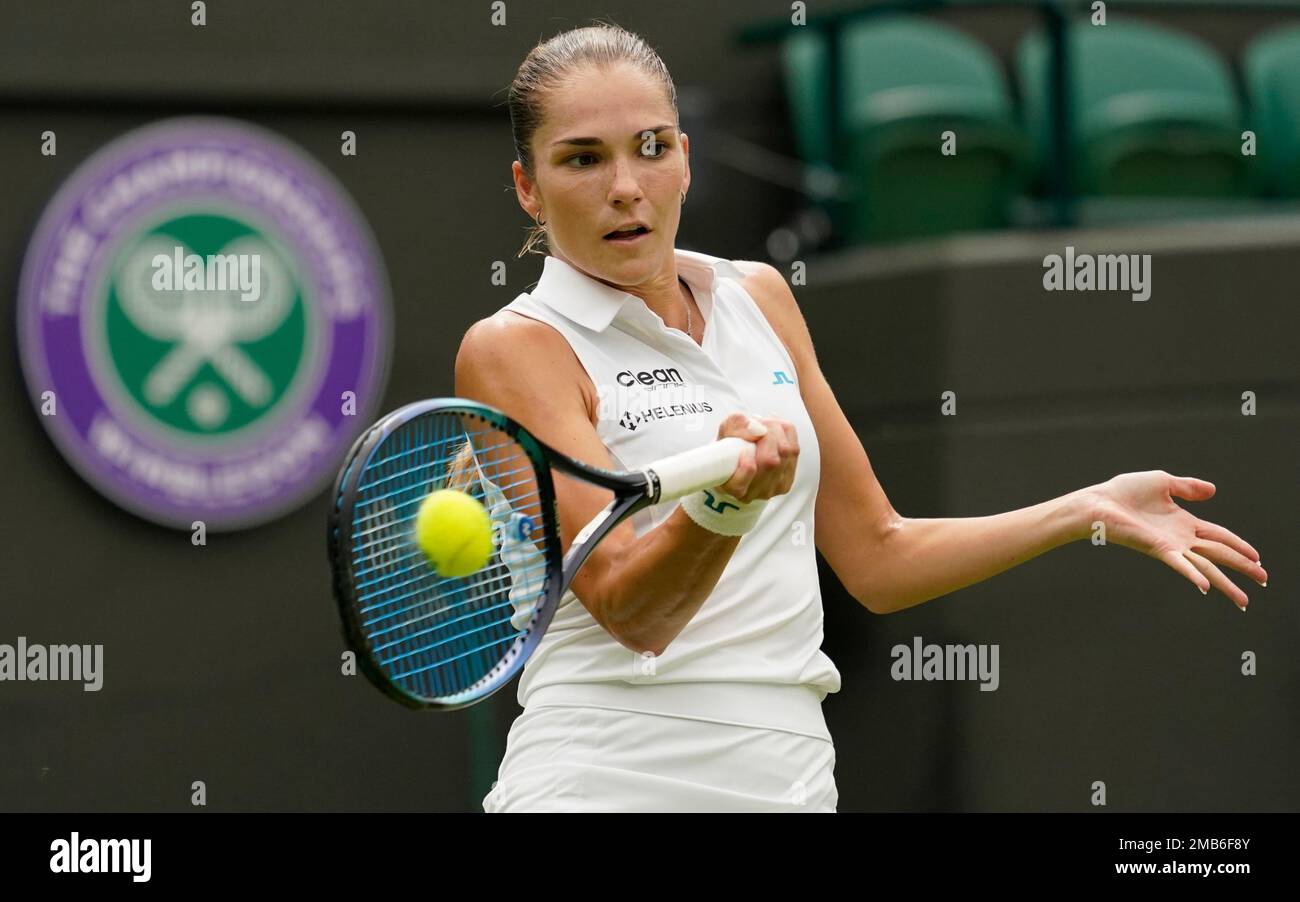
x,y
450,461
433,635
413,552
413,506
504,581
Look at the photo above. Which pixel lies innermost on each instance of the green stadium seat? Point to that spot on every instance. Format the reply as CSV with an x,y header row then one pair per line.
x,y
1271,70
904,81
1154,112
803,59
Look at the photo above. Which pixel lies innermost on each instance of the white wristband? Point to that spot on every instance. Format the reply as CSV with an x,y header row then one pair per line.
x,y
719,512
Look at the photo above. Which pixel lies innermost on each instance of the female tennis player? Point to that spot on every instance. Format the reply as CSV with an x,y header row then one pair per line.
x,y
683,670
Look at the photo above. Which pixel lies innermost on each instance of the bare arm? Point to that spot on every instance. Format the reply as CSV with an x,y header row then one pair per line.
x,y
886,561
889,562
918,559
645,590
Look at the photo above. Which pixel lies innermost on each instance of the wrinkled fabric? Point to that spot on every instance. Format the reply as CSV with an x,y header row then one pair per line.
x,y
582,759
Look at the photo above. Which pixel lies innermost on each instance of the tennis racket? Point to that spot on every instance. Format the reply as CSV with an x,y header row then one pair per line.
x,y
431,641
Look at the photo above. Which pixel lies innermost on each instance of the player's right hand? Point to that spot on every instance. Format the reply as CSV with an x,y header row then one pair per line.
x,y
769,471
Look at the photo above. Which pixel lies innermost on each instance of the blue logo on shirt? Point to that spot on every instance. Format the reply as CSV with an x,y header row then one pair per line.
x,y
781,378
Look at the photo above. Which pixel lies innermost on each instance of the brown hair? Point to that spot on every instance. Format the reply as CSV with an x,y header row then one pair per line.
x,y
461,468
550,62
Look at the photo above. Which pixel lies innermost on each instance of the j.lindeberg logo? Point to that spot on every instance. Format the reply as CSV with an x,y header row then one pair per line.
x,y
713,503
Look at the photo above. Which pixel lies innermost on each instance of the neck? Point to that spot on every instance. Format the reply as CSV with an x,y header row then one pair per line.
x,y
669,300
667,295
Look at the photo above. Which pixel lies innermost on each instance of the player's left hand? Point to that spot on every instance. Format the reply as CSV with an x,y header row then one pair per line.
x,y
1139,512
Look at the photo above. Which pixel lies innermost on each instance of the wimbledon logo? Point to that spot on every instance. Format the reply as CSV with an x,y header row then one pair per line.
x,y
204,323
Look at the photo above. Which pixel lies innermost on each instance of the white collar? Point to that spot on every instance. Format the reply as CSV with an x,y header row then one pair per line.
x,y
593,304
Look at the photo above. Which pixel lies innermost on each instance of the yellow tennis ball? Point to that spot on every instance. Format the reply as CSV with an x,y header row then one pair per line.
x,y
454,530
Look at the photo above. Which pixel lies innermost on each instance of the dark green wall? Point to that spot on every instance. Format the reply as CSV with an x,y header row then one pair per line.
x,y
221,662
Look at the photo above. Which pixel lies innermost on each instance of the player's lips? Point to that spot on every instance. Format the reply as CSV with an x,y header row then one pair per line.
x,y
628,233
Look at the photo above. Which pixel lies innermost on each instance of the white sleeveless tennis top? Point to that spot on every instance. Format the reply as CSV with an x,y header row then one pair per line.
x,y
752,653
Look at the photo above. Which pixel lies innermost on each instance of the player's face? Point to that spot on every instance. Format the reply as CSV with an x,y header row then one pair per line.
x,y
635,169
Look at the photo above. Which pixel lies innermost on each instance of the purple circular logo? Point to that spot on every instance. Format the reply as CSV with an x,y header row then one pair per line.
x,y
203,320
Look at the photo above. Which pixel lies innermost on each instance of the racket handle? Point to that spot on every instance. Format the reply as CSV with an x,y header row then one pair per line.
x,y
699,468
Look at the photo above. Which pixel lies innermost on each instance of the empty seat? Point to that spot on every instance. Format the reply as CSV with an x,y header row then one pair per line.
x,y
1154,111
905,81
1271,70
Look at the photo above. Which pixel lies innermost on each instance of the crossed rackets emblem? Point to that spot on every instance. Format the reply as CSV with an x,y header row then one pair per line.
x,y
206,326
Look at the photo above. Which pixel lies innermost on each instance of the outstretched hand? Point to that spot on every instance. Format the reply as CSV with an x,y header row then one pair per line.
x,y
1139,512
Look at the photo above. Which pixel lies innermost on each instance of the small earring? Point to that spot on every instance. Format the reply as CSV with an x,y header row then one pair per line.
x,y
538,219
683,197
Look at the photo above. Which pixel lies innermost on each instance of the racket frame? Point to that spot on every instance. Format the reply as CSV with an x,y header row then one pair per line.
x,y
632,492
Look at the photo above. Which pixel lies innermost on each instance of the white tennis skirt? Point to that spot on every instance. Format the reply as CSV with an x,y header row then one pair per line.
x,y
575,758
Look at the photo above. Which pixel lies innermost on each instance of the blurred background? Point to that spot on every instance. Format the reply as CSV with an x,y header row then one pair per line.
x,y
817,147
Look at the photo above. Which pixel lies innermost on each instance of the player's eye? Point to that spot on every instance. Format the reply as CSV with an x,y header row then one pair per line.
x,y
654,150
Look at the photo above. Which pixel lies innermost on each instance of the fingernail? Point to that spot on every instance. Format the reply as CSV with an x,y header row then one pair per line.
x,y
756,428
1243,608
1203,591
